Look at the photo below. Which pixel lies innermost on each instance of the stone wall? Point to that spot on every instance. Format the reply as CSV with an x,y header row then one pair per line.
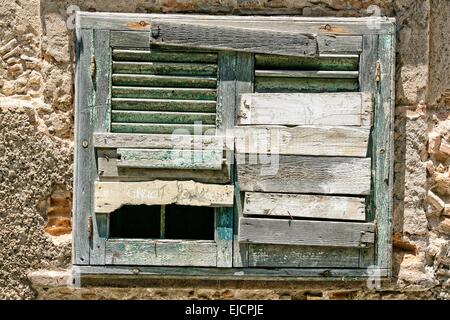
x,y
36,130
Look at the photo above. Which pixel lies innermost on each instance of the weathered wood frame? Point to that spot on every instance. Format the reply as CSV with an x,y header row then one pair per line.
x,y
378,43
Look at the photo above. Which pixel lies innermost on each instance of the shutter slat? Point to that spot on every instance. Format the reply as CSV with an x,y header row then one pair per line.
x,y
163,105
162,128
306,74
163,56
290,85
163,81
331,62
162,117
158,68
164,93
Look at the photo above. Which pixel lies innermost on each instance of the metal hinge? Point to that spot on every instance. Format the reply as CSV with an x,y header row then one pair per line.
x,y
89,227
378,72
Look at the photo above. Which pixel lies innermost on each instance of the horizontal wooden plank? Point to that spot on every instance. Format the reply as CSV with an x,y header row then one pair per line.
x,y
163,81
110,196
306,74
304,206
292,42
303,140
304,108
109,171
289,256
161,252
304,232
130,39
158,141
162,117
163,128
339,44
163,105
170,159
165,68
287,85
127,274
163,56
303,174
164,93
336,63
311,25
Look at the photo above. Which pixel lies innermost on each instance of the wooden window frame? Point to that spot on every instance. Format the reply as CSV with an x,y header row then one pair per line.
x,y
376,74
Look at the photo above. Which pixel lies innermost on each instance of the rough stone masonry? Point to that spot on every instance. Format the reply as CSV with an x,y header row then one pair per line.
x,y
36,130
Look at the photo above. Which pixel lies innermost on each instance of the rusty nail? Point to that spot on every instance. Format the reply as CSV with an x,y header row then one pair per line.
x,y
142,23
382,151
84,144
136,271
327,27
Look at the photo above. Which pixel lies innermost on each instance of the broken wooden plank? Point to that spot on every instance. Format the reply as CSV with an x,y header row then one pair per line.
x,y
303,174
161,252
163,56
351,109
170,159
303,140
304,206
290,256
164,93
292,42
303,232
110,196
158,141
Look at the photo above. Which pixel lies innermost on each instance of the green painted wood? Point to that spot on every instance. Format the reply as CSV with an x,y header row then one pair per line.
x,y
163,105
226,90
163,81
84,171
102,51
136,276
306,232
170,159
161,252
164,93
245,65
383,150
335,63
163,56
286,85
224,236
291,256
162,117
306,74
164,68
163,128
100,233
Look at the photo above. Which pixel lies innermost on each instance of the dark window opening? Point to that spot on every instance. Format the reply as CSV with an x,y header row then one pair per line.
x,y
162,222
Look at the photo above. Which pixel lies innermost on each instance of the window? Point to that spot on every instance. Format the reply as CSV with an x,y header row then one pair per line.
x,y
254,144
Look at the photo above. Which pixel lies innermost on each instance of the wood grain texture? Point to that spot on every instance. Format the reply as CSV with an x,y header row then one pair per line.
x,y
165,68
290,256
292,85
327,63
163,105
304,206
304,232
163,56
237,39
161,252
84,171
303,109
226,90
162,117
302,174
303,140
164,93
101,114
223,235
163,128
158,141
163,81
100,233
339,44
108,170
170,159
110,196
130,39
306,74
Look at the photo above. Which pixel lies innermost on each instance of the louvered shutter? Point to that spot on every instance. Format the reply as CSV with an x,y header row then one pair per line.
x,y
310,102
